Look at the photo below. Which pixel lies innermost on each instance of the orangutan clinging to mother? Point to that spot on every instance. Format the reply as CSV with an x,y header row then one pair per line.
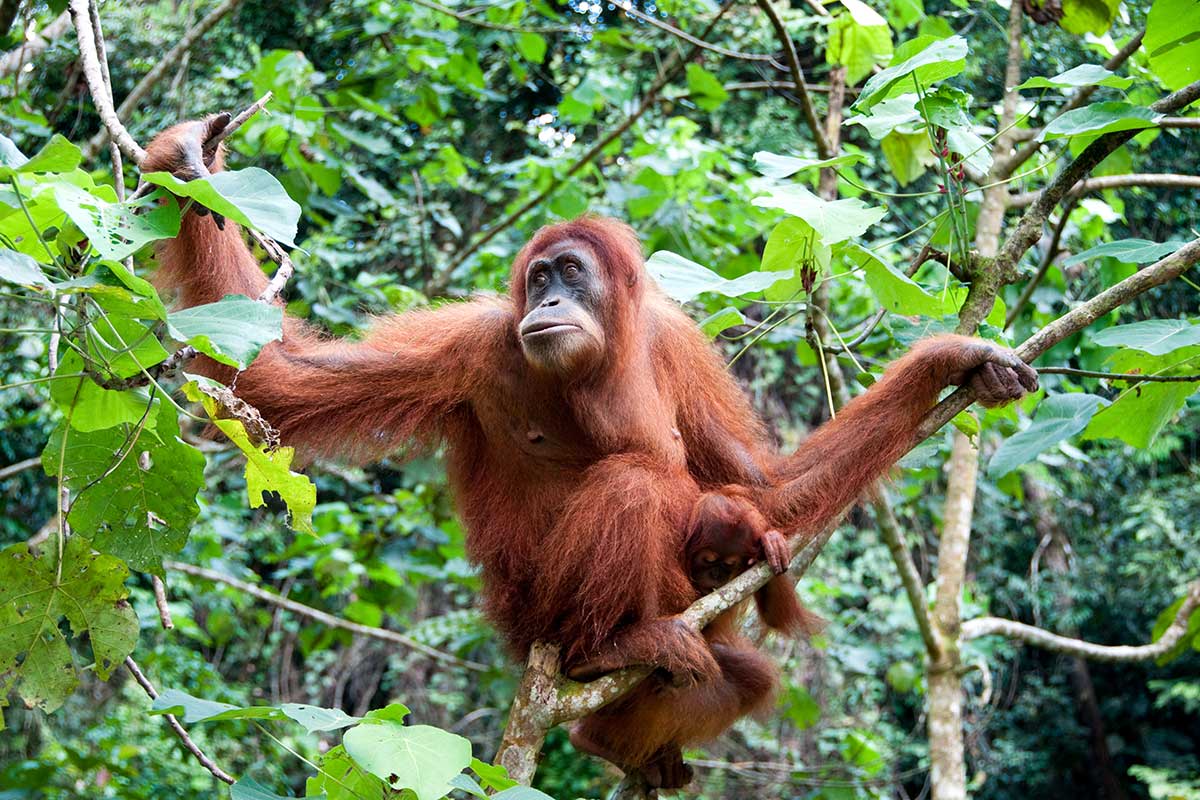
x,y
582,416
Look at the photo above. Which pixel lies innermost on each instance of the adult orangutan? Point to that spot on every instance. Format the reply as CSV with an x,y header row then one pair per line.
x,y
582,416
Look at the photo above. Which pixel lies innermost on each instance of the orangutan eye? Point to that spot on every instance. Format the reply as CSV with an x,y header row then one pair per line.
x,y
571,272
539,279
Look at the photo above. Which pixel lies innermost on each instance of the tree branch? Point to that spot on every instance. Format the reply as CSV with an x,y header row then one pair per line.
x,y
824,150
1130,377
172,721
156,73
93,74
20,466
1164,180
1028,634
275,599
628,8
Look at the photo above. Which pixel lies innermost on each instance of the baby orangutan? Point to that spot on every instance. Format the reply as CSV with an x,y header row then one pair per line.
x,y
726,535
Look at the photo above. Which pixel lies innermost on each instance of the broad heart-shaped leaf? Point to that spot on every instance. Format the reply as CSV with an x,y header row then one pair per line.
x,y
898,112
134,491
92,407
1059,417
1127,251
58,155
196,709
1154,336
833,220
418,757
1082,75
315,718
266,470
251,197
231,330
1138,415
779,167
686,280
22,270
113,228
1173,41
940,59
894,290
1100,118
35,659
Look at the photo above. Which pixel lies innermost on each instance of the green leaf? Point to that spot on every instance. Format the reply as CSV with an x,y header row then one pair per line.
x,y
121,343
341,779
907,154
417,757
532,47
704,89
1059,417
894,290
888,115
1154,336
134,492
902,676
315,718
232,330
36,593
1082,75
266,470
800,707
685,280
58,155
114,229
522,793
1127,251
779,167
941,59
859,40
492,776
250,789
1088,16
251,197
22,270
1100,118
92,407
793,247
1139,414
833,220
196,709
1173,41
723,320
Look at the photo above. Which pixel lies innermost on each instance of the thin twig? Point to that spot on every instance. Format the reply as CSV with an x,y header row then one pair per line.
x,y
628,8
1129,377
1162,180
383,634
160,600
180,731
19,467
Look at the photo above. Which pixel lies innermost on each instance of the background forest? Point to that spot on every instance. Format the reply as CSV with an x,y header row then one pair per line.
x,y
869,171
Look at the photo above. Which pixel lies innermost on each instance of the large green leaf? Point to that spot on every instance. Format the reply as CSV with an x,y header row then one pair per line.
x,y
134,491
1139,415
114,229
938,60
266,470
251,197
342,779
1059,417
36,593
1088,16
860,40
92,407
250,789
1082,75
22,270
1154,336
196,709
1099,118
833,220
417,757
894,290
779,167
1127,251
792,247
315,718
1173,41
232,330
686,280
58,155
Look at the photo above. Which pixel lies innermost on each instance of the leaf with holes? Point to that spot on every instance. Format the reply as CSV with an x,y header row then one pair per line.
x,y
134,489
36,593
417,757
114,229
